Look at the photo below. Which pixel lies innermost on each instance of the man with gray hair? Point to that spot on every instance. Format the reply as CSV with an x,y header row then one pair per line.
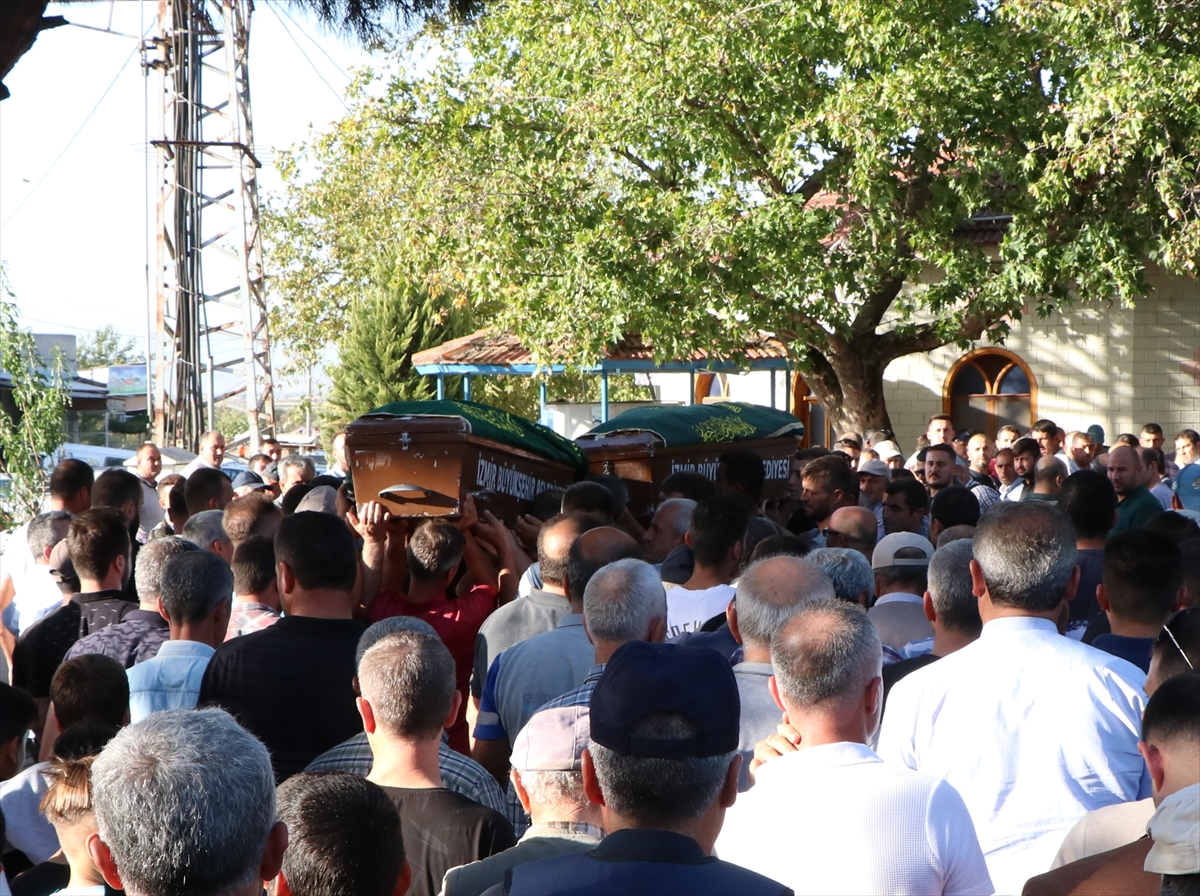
x,y
206,530
460,773
548,779
850,571
295,469
951,608
667,528
142,632
768,594
196,600
1032,728
916,834
35,593
185,803
407,699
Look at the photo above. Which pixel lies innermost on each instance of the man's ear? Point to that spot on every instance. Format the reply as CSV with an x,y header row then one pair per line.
x,y
158,605
102,858
729,790
272,858
1102,597
591,784
279,886
367,713
978,585
773,689
120,564
657,632
404,881
285,578
731,618
1154,763
930,612
687,538
455,704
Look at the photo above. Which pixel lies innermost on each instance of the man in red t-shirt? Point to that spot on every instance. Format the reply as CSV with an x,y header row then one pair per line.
x,y
431,559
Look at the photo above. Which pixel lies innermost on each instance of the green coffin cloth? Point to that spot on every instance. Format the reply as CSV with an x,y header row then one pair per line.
x,y
491,423
703,424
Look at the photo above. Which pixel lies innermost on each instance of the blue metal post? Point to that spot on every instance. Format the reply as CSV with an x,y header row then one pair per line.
x,y
604,396
773,374
691,387
441,386
467,388
542,400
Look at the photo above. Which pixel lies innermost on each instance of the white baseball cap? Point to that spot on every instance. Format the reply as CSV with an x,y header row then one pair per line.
x,y
917,550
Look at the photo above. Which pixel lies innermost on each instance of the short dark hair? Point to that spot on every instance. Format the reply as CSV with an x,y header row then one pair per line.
x,y
83,739
617,487
914,494
70,477
1089,499
945,417
343,836
46,530
832,471
95,539
1026,446
177,503
1142,574
253,565
744,469
202,486
718,523
435,549
547,503
334,482
115,488
554,569
193,585
319,550
1178,644
954,506
243,515
92,686
589,497
257,458
944,447
1190,550
1026,550
289,502
1153,428
686,484
1046,426
782,545
1171,711
1153,456
17,712
408,678
1189,434
1175,526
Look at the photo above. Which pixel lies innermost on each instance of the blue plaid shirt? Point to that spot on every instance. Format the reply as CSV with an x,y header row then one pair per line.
x,y
459,773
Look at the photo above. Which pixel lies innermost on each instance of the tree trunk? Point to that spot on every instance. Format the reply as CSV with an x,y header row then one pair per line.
x,y
847,379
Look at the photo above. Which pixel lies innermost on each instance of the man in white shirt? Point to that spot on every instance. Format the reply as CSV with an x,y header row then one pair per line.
x,y
36,593
901,564
149,465
717,536
831,817
212,453
1032,728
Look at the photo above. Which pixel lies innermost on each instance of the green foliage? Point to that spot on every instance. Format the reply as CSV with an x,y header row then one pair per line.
x,y
572,170
31,418
106,348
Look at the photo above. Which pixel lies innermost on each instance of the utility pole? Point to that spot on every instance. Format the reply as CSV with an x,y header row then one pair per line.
x,y
212,342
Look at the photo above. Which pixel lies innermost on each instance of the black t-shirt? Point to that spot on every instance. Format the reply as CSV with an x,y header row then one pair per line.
x,y
442,830
290,686
42,647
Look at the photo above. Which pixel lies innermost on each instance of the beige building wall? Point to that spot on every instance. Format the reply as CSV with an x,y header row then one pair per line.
x,y
1118,367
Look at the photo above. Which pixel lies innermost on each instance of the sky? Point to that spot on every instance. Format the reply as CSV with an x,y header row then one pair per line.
x,y
76,211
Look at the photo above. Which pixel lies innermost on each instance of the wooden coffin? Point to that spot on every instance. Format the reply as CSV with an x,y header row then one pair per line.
x,y
424,465
651,444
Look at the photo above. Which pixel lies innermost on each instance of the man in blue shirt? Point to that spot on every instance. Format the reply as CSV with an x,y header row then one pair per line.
x,y
1143,575
662,764
196,599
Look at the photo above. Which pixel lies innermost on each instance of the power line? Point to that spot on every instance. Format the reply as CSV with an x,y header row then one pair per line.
x,y
314,42
78,131
316,71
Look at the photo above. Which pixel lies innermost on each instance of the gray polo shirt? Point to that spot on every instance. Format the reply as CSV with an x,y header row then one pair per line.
x,y
760,715
516,621
533,673
539,842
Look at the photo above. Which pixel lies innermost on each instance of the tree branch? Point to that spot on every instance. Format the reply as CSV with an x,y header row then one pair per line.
x,y
876,305
745,141
655,174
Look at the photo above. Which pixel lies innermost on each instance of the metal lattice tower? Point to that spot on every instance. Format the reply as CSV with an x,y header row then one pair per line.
x,y
211,321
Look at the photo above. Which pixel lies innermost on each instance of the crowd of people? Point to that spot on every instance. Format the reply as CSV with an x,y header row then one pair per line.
x,y
969,670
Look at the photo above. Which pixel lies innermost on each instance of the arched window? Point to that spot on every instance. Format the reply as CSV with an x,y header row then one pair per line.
x,y
989,388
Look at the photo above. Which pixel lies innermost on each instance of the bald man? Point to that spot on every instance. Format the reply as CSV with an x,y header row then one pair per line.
x,y
853,527
1048,476
1137,504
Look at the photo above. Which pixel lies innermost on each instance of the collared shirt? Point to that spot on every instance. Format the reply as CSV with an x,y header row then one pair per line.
x,y
900,619
170,680
35,594
133,640
20,803
912,832
1012,491
509,625
528,674
250,616
460,773
152,512
541,841
760,716
638,862
1135,650
1135,509
198,463
1032,729
984,494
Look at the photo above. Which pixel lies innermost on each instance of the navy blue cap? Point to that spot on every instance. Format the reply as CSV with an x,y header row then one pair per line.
x,y
248,478
643,679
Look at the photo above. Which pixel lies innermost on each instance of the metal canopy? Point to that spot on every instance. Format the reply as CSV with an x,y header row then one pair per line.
x,y
490,353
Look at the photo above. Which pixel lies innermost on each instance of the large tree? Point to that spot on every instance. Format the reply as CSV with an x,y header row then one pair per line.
x,y
696,171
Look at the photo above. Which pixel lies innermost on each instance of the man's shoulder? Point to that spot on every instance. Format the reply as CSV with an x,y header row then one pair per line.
x,y
1119,870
